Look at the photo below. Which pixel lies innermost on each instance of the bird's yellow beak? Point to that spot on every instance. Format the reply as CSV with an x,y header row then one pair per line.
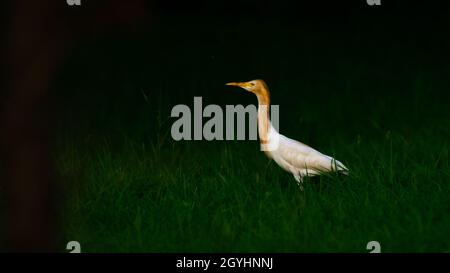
x,y
239,84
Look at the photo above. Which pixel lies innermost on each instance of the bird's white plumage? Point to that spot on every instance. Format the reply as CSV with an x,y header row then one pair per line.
x,y
298,158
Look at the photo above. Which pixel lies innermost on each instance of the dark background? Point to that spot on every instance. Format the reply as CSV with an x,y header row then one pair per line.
x,y
194,48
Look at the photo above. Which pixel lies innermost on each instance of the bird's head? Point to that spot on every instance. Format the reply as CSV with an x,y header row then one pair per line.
x,y
255,86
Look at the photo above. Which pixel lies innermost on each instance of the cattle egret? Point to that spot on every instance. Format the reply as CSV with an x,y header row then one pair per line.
x,y
291,155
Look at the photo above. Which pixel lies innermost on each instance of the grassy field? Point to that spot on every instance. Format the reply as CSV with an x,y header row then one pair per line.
x,y
131,188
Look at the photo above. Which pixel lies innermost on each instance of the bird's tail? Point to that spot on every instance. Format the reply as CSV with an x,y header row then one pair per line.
x,y
339,167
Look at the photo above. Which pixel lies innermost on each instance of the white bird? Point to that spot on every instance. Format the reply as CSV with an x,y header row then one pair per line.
x,y
291,155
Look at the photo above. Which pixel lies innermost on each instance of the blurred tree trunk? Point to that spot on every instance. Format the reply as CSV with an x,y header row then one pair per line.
x,y
38,35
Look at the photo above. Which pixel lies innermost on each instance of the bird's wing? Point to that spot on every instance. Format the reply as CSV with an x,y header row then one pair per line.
x,y
303,157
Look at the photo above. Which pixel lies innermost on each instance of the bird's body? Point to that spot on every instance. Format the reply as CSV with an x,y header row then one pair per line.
x,y
291,155
298,158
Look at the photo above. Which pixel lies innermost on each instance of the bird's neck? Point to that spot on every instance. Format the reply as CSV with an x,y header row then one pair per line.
x,y
263,115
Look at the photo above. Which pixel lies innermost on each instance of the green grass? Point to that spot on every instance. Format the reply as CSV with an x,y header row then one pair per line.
x,y
144,198
152,194
131,188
